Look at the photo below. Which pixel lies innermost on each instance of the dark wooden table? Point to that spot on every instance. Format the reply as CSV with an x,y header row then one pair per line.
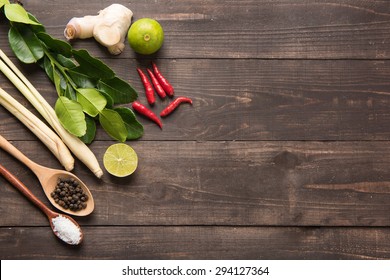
x,y
284,154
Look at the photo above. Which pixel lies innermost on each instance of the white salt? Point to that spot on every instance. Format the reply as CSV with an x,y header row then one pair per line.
x,y
66,230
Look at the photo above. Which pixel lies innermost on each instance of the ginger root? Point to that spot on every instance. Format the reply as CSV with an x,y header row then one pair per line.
x,y
109,27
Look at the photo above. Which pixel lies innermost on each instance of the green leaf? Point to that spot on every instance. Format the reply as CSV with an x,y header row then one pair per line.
x,y
71,116
70,93
55,45
110,101
120,91
63,88
25,44
91,66
57,81
36,28
3,2
16,13
91,130
134,129
81,80
91,100
65,61
48,68
113,124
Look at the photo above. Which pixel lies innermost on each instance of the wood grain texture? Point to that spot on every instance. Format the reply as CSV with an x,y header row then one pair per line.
x,y
200,243
245,29
283,155
229,183
253,100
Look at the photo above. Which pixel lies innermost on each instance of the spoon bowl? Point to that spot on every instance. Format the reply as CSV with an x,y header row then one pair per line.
x,y
48,177
63,226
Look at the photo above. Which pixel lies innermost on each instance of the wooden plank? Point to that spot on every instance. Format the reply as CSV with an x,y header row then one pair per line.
x,y
254,29
226,183
240,174
253,100
200,243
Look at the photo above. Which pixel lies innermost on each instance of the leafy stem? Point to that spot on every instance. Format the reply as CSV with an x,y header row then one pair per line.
x,y
62,69
87,88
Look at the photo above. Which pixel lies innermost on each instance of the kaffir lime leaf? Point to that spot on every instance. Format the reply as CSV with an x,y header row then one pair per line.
x,y
145,36
120,160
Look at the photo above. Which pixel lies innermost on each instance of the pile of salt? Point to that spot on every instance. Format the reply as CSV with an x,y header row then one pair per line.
x,y
66,230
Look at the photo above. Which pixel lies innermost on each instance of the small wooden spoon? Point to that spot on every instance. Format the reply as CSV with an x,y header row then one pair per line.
x,y
69,232
48,178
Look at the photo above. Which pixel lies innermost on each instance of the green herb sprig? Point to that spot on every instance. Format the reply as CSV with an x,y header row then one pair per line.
x,y
88,90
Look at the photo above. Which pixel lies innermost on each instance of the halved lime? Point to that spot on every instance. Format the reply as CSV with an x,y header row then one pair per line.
x,y
120,160
145,36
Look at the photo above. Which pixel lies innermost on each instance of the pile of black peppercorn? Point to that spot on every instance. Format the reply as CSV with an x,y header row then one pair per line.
x,y
69,194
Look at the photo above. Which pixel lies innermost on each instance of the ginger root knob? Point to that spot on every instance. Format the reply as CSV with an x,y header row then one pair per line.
x,y
109,27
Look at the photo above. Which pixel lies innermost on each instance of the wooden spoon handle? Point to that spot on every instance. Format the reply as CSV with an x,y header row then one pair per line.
x,y
24,190
8,147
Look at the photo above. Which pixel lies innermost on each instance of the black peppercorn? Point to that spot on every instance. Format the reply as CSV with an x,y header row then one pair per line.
x,y
68,194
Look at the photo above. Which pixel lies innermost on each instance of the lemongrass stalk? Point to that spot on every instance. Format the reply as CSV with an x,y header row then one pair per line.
x,y
10,70
39,128
78,147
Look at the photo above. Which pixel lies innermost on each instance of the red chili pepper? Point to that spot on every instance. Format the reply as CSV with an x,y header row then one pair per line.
x,y
149,92
163,82
174,104
160,91
143,110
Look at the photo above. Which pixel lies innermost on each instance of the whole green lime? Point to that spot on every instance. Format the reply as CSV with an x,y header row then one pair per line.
x,y
145,36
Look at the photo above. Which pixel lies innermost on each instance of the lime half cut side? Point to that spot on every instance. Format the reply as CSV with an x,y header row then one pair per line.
x,y
120,160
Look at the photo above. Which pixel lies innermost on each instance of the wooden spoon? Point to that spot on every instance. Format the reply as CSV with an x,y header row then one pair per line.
x,y
63,226
48,178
